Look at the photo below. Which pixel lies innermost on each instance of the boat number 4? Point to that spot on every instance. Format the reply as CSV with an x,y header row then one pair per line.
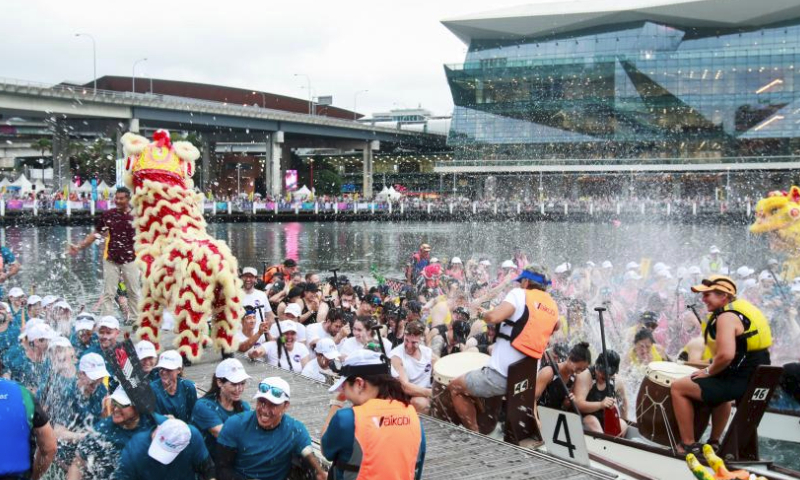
x,y
561,424
563,435
760,394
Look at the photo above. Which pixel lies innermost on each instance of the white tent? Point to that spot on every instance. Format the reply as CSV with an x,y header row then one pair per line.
x,y
383,194
4,182
394,195
23,183
38,185
104,186
85,188
302,193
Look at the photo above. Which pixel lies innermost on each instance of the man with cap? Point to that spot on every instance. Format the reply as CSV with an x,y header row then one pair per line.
x,y
175,395
738,336
292,312
530,303
172,451
116,227
275,353
25,427
285,270
261,443
380,437
222,401
98,454
16,300
254,297
9,331
418,261
83,338
34,306
713,262
326,352
29,366
148,357
9,266
252,334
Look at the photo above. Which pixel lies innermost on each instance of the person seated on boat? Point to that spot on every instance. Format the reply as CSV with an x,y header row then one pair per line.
x,y
739,337
645,350
529,307
596,391
552,392
413,362
695,351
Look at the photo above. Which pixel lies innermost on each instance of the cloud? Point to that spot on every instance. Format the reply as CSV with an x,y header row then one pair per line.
x,y
396,50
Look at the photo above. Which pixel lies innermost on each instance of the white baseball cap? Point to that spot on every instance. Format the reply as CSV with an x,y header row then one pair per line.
x,y
606,264
275,389
455,260
631,275
170,439
232,370
293,309
250,271
434,260
745,271
765,275
170,360
121,397
84,324
59,341
695,270
563,268
749,283
39,331
108,321
660,266
485,263
714,249
145,349
48,299
359,363
288,326
796,288
508,264
631,266
34,299
93,365
663,273
63,304
15,292
590,264
327,348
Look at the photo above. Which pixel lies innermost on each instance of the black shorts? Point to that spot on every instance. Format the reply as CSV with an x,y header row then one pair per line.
x,y
731,385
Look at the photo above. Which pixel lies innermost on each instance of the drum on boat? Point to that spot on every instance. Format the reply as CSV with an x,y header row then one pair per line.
x,y
654,415
446,370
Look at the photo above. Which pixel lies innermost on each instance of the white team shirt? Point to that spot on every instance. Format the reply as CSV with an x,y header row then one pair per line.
x,y
503,354
312,370
241,337
317,331
417,371
350,345
297,354
254,299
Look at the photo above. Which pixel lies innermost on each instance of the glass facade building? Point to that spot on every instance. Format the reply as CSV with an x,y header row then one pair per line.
x,y
636,91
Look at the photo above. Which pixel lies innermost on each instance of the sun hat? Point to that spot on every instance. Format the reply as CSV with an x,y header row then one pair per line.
x,y
170,360
231,370
93,365
360,362
718,283
275,389
170,439
534,273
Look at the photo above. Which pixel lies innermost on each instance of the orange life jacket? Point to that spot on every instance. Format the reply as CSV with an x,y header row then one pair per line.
x,y
531,332
270,272
389,434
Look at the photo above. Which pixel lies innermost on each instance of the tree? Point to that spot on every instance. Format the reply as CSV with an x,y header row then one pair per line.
x,y
93,160
327,182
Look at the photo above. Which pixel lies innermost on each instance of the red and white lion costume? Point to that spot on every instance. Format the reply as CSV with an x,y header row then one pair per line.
x,y
184,269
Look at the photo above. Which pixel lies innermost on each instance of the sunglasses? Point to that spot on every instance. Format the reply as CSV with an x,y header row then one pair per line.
x,y
275,391
116,404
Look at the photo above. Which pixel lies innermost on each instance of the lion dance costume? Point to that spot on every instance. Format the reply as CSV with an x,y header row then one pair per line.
x,y
779,216
184,269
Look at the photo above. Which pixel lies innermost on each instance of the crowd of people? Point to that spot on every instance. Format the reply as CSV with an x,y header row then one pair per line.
x,y
377,346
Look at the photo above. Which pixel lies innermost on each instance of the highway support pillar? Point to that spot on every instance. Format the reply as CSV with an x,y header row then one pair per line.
x,y
272,164
367,173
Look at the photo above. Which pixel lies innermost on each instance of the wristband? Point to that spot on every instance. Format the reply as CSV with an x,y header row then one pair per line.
x,y
336,403
707,371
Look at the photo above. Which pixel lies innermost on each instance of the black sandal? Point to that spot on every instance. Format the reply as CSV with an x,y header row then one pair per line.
x,y
695,448
714,444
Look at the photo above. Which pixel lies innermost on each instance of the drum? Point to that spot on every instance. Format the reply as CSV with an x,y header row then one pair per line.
x,y
453,366
654,415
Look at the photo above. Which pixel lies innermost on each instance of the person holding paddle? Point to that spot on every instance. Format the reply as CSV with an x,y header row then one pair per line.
x,y
595,391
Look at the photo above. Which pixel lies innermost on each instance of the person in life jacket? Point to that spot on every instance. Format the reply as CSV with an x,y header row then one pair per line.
x,y
286,269
525,320
738,335
381,436
23,419
418,261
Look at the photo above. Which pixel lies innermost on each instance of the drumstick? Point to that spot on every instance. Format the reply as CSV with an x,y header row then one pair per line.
x,y
694,310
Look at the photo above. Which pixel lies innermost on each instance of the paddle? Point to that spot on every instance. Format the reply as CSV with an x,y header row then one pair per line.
x,y
611,425
281,344
557,375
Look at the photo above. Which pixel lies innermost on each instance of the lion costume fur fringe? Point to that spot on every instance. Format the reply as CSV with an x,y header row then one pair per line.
x,y
184,269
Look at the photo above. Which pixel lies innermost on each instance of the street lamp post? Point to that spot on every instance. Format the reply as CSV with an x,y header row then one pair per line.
x,y
238,181
355,104
310,99
94,58
311,163
133,73
263,99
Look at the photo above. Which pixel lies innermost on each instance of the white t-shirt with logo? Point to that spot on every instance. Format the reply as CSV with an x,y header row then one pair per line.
x,y
255,298
417,371
297,354
350,345
241,337
317,331
312,370
503,354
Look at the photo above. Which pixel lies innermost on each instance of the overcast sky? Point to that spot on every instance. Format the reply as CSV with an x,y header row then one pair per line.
x,y
394,49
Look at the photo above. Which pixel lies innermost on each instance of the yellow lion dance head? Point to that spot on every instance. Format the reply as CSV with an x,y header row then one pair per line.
x,y
160,160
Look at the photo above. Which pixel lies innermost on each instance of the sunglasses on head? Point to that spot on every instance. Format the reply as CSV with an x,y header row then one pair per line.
x,y
116,404
718,281
275,391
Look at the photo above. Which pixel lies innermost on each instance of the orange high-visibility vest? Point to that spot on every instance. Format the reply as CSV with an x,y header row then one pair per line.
x,y
531,332
389,434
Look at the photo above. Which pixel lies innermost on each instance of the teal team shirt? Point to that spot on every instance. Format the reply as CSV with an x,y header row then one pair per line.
x,y
263,454
179,405
208,413
136,464
102,448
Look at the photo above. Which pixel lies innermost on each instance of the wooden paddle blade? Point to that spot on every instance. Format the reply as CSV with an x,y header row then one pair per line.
x,y
611,425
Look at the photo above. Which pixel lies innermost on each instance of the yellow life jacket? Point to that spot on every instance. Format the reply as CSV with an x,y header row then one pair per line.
x,y
707,355
654,356
757,334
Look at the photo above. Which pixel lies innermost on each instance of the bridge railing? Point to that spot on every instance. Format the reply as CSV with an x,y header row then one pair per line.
x,y
82,94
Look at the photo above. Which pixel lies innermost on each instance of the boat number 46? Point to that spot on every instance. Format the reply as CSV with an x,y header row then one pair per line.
x,y
760,394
